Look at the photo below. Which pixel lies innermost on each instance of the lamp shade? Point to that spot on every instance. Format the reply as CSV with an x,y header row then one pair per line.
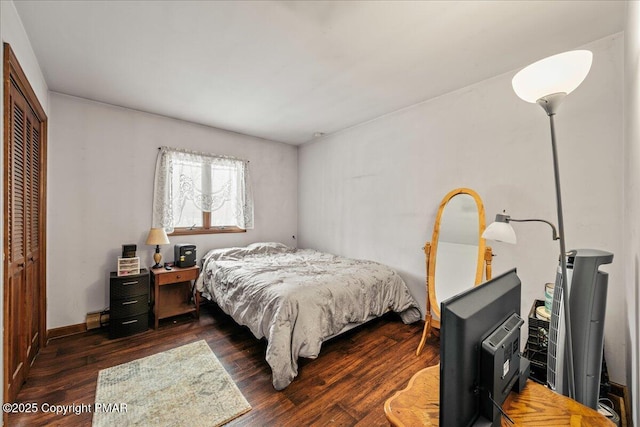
x,y
560,73
500,232
157,236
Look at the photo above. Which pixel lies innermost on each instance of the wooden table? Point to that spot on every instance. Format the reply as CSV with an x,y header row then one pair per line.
x,y
171,292
419,405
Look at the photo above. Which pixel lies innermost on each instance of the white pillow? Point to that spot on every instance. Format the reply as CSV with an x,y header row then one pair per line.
x,y
268,248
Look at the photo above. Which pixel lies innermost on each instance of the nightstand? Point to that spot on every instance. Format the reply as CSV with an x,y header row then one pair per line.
x,y
128,304
171,292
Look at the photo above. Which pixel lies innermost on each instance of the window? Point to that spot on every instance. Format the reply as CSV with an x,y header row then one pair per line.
x,y
196,193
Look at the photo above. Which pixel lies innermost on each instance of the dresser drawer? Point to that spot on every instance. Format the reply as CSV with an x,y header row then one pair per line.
x,y
128,325
126,286
131,306
177,276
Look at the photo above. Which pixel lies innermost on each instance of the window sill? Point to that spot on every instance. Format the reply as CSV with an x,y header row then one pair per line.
x,y
214,230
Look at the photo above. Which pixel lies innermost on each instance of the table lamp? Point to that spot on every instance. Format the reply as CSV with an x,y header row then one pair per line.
x,y
157,236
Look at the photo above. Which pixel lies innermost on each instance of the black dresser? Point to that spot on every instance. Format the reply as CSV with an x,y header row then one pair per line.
x,y
129,304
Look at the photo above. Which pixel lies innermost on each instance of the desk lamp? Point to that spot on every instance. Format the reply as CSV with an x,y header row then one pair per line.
x,y
546,83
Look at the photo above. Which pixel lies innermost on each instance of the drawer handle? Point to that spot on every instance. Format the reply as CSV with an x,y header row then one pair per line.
x,y
130,302
178,276
130,322
130,283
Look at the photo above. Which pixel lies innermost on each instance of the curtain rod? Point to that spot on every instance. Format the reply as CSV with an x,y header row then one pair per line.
x,y
206,154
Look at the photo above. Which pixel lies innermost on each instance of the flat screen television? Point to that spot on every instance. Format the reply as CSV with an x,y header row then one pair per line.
x,y
471,377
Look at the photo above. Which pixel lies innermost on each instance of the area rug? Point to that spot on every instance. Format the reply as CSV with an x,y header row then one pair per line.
x,y
183,386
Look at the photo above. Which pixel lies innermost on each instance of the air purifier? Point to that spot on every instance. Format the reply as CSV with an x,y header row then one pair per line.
x,y
587,296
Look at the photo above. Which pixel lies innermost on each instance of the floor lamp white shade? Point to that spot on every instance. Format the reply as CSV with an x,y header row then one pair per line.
x,y
560,73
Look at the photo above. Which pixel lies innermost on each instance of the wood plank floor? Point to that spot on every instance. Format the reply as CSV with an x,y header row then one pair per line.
x,y
345,386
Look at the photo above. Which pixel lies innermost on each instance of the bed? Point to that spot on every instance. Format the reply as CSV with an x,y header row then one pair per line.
x,y
299,298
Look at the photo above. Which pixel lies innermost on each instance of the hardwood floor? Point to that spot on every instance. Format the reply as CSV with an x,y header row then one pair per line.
x,y
345,386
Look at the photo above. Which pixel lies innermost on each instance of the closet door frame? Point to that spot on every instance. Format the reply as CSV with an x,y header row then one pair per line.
x,y
13,75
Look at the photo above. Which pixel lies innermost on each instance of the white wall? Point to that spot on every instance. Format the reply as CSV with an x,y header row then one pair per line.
x,y
101,166
373,191
632,201
12,32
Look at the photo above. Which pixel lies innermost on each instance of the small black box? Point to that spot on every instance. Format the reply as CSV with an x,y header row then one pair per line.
x,y
184,255
129,251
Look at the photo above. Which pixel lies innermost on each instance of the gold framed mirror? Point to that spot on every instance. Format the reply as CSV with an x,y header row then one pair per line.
x,y
457,257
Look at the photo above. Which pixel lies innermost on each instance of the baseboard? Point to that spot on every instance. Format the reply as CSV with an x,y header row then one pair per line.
x,y
66,330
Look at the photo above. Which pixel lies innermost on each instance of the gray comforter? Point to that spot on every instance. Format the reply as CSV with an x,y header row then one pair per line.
x,y
297,298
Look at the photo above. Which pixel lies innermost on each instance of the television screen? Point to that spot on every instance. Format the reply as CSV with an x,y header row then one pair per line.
x,y
467,320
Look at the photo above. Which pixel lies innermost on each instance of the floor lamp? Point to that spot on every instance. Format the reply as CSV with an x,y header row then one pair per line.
x,y
546,83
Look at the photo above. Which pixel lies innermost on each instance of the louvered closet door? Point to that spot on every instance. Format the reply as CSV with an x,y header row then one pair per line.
x,y
16,286
32,216
24,287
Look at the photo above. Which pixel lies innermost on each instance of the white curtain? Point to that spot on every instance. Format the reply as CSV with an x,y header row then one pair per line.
x,y
188,183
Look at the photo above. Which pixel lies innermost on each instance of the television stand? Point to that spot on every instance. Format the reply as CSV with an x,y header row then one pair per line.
x,y
419,405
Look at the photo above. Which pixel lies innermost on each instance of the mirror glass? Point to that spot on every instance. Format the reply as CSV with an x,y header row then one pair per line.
x,y
457,247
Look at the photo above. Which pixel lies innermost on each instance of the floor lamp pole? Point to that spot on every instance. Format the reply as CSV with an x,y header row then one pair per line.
x,y
563,265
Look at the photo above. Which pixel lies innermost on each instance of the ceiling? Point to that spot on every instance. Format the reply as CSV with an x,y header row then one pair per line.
x,y
284,70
